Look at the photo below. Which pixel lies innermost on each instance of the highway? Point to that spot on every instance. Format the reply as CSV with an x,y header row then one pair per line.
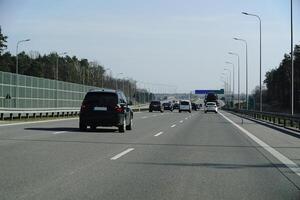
x,y
165,156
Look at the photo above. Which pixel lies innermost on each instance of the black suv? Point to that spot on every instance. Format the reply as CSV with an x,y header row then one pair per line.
x,y
156,106
105,108
168,106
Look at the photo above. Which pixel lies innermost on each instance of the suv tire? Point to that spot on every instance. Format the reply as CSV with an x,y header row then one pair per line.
x,y
82,126
122,127
129,126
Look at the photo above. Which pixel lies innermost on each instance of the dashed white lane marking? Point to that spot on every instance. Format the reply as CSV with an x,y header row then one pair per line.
x,y
186,118
181,121
173,125
158,134
59,132
290,164
122,154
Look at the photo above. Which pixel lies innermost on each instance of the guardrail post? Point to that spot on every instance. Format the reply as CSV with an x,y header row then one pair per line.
x,y
274,120
11,116
2,116
284,122
27,115
299,125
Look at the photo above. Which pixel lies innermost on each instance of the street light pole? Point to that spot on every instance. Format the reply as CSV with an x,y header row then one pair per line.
x,y
260,87
292,59
229,78
246,45
103,77
60,54
232,81
17,72
117,80
231,53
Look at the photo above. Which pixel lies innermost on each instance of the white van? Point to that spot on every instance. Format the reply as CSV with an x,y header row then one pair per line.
x,y
185,105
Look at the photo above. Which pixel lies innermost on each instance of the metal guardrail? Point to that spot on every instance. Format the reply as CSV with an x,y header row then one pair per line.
x,y
50,112
280,119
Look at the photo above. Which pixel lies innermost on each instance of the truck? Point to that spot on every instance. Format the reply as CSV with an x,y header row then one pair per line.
x,y
211,97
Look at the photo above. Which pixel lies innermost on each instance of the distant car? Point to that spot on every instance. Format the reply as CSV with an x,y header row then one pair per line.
x,y
175,105
156,106
185,105
211,107
168,106
211,97
105,108
195,106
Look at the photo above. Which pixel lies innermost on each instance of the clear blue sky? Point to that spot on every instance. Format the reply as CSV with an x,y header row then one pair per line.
x,y
175,42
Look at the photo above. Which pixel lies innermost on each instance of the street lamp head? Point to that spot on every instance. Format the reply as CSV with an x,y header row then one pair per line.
x,y
245,13
236,38
230,53
26,40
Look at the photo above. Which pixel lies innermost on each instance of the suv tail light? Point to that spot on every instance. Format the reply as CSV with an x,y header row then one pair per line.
x,y
84,106
119,109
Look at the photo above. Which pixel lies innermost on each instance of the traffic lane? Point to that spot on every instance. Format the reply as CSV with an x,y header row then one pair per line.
x,y
52,189
203,158
37,162
193,160
285,144
70,127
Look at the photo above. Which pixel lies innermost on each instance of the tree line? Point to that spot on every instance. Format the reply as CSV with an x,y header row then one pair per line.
x,y
70,69
277,90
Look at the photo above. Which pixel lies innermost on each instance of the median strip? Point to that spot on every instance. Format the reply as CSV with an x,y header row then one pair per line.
x,y
121,154
158,134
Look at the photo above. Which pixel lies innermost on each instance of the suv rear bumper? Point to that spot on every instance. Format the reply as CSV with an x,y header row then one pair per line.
x,y
111,120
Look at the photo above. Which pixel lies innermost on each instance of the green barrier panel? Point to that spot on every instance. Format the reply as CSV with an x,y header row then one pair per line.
x,y
20,91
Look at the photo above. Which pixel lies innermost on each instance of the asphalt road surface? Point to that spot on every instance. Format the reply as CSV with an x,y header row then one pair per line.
x,y
165,156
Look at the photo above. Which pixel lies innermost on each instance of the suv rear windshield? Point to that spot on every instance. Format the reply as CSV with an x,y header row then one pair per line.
x,y
155,102
102,98
184,103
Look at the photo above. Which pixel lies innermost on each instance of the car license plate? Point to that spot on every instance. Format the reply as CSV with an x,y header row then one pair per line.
x,y
100,108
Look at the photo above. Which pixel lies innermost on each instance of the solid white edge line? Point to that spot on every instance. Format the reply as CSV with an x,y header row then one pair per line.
x,y
173,125
122,154
290,164
158,134
36,122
